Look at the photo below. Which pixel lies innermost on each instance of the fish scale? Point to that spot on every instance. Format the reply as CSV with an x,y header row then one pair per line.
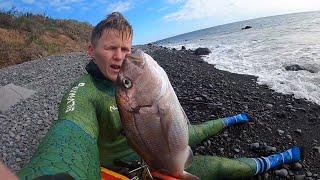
x,y
157,132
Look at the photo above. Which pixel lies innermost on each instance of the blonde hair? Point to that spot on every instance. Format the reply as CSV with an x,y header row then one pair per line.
x,y
115,21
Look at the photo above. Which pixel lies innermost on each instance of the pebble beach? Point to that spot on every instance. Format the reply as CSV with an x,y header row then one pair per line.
x,y
277,123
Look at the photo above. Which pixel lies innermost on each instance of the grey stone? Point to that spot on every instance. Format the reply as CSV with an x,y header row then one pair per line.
x,y
316,149
297,166
289,137
281,172
291,173
269,105
254,146
296,67
299,131
280,131
271,149
12,134
309,174
236,150
299,177
202,51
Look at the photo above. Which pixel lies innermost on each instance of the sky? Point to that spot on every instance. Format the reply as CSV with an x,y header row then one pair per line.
x,y
154,20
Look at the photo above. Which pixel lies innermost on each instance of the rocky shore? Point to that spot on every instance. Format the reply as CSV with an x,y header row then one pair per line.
x,y
277,121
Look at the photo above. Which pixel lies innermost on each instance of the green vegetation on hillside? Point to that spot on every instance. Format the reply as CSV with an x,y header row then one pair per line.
x,y
27,36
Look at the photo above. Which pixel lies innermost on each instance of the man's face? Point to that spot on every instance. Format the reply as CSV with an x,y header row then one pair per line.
x,y
109,52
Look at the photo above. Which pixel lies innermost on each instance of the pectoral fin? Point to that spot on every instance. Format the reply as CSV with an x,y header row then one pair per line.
x,y
190,159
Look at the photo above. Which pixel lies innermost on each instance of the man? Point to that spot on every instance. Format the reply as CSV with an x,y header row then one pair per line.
x,y
88,134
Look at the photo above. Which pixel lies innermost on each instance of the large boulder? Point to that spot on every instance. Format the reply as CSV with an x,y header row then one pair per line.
x,y
202,51
296,67
247,27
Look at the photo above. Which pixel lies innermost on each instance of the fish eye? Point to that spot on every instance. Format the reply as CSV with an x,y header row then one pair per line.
x,y
126,83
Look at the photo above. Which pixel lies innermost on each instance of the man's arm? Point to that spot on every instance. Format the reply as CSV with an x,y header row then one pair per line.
x,y
70,146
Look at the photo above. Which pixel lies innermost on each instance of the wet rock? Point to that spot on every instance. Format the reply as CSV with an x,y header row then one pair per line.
x,y
183,48
246,27
202,51
266,176
299,131
236,150
290,172
296,67
254,146
280,131
281,172
316,149
271,149
297,166
269,106
299,177
309,174
289,137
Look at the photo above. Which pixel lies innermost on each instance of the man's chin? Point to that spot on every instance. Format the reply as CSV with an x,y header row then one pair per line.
x,y
112,76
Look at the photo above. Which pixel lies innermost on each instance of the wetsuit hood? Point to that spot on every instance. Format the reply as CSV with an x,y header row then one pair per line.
x,y
95,72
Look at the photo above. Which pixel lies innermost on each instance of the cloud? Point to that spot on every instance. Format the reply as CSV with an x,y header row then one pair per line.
x,y
120,6
199,9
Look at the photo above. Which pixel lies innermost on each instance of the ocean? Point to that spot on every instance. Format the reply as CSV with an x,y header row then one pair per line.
x,y
265,50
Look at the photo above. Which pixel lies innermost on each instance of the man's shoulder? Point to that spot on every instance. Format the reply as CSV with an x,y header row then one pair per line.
x,y
86,81
89,86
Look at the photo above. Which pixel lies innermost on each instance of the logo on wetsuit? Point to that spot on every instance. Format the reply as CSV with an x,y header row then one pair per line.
x,y
113,108
70,100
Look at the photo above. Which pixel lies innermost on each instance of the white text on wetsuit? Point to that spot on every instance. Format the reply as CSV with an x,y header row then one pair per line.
x,y
70,100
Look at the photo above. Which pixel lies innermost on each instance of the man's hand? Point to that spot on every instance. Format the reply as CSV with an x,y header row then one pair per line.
x,y
5,173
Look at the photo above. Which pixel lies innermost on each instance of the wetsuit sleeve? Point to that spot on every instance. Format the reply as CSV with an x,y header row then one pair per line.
x,y
70,146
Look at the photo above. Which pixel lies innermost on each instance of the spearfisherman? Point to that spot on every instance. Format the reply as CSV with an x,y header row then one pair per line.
x,y
88,133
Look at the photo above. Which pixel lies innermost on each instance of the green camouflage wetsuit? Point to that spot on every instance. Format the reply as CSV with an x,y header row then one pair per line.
x,y
88,135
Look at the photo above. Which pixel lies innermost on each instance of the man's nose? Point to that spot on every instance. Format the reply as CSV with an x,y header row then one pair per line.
x,y
118,54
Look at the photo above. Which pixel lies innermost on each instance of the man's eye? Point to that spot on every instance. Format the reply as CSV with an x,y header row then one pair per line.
x,y
110,48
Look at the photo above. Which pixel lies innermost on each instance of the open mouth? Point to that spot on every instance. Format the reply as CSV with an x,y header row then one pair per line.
x,y
115,67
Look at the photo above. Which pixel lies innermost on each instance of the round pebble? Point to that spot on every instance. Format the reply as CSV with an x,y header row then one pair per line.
x,y
281,172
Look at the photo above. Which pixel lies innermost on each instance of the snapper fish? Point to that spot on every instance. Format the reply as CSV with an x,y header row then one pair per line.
x,y
151,115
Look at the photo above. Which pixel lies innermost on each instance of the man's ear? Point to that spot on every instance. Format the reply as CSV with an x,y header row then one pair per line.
x,y
91,51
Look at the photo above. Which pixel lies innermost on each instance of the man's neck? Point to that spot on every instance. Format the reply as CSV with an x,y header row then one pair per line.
x,y
95,72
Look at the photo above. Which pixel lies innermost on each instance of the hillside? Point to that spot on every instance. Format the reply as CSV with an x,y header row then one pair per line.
x,y
26,36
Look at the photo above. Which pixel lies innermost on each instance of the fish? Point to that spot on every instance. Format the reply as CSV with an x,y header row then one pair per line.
x,y
152,117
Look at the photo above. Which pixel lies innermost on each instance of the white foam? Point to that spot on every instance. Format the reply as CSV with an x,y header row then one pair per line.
x,y
265,53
